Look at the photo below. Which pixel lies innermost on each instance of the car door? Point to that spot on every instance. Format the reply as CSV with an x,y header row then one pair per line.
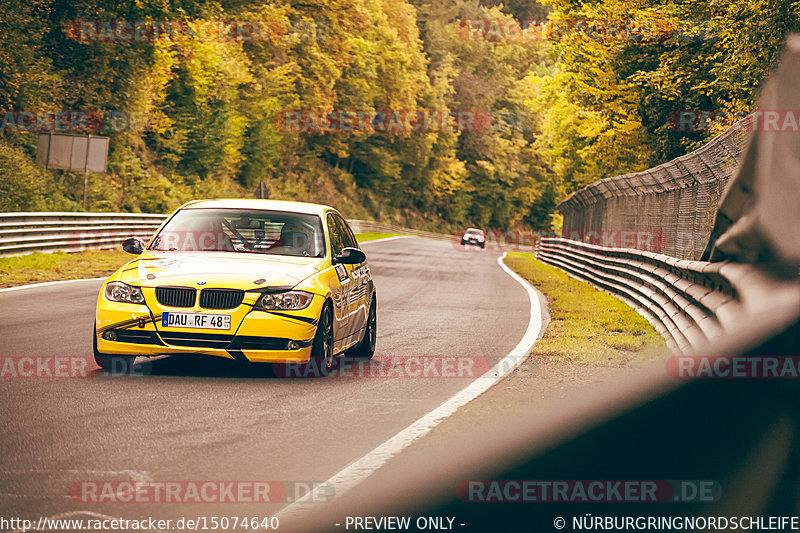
x,y
358,298
340,293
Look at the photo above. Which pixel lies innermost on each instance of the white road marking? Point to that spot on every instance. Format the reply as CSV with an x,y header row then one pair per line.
x,y
362,468
383,239
44,284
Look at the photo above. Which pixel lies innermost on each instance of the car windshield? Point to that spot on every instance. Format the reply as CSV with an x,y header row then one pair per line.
x,y
242,230
474,232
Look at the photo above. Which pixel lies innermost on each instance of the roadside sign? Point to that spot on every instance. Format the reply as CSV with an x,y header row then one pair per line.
x,y
73,152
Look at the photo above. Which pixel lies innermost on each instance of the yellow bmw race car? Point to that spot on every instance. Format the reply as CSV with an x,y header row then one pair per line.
x,y
249,280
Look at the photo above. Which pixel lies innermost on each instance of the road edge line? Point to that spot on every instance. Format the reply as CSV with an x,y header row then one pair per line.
x,y
45,283
361,468
383,239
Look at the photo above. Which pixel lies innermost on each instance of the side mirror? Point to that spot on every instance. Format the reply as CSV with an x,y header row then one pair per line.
x,y
133,245
350,256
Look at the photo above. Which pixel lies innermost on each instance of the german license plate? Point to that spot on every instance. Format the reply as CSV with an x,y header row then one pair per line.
x,y
195,320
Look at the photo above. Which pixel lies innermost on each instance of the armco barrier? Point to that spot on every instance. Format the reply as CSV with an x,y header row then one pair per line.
x,y
22,233
691,303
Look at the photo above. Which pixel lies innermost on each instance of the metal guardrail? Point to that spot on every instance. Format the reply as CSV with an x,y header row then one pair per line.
x,y
691,303
22,233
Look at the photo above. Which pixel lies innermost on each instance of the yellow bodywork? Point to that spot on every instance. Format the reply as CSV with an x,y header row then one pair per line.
x,y
251,273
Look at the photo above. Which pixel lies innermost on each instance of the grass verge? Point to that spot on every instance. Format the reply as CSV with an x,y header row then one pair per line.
x,y
59,266
587,325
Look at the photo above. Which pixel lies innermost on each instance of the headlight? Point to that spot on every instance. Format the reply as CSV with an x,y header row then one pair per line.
x,y
116,291
286,301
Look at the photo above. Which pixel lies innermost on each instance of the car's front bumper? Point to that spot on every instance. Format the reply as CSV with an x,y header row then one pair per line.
x,y
255,336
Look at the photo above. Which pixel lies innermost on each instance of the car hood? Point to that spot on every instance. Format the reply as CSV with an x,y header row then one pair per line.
x,y
219,269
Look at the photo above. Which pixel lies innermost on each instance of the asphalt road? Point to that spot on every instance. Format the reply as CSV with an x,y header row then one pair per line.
x,y
190,419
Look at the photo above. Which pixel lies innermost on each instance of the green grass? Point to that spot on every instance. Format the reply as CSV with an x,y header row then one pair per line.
x,y
58,266
587,325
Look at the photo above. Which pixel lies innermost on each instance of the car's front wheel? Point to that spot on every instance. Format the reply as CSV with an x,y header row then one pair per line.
x,y
322,348
366,348
116,364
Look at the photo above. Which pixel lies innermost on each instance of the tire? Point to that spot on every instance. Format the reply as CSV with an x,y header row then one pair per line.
x,y
115,364
483,245
322,348
365,349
